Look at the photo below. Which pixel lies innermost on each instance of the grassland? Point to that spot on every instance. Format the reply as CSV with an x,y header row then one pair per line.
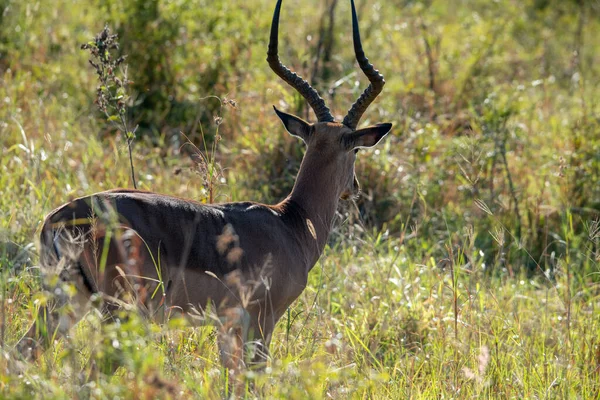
x,y
469,268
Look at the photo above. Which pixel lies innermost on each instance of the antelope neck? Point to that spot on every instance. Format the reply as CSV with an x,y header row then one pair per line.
x,y
315,191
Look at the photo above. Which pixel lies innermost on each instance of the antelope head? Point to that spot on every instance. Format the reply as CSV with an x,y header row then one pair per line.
x,y
331,146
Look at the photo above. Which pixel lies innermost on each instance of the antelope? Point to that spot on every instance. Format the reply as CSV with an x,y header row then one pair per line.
x,y
168,255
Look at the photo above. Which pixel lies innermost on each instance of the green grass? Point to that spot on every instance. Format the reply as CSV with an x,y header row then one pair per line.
x,y
470,267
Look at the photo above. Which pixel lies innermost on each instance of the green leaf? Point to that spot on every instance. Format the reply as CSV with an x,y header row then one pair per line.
x,y
113,118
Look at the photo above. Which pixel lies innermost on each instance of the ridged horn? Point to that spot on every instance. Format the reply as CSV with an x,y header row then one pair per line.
x,y
375,78
295,81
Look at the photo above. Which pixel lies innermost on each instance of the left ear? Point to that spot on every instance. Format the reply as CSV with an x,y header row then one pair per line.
x,y
367,137
294,125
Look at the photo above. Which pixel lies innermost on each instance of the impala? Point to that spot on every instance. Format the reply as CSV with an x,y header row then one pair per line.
x,y
245,261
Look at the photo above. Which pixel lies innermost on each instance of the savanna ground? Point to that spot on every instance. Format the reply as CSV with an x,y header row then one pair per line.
x,y
470,266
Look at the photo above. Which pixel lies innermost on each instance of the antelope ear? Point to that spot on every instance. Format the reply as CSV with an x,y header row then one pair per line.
x,y
367,137
294,125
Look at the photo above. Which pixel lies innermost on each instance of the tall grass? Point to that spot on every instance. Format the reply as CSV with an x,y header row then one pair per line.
x,y
468,268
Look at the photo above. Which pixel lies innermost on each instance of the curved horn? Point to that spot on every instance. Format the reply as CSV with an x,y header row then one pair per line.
x,y
295,81
376,79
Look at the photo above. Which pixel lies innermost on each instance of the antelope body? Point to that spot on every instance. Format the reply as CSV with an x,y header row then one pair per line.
x,y
247,261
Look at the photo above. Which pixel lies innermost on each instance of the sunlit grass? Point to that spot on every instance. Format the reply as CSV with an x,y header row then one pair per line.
x,y
427,290
390,332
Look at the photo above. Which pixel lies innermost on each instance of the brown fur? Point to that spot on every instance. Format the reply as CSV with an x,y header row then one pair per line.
x,y
165,255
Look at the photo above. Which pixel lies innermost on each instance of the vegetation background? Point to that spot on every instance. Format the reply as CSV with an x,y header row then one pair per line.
x,y
470,266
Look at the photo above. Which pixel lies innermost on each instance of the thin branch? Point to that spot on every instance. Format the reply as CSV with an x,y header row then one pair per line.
x,y
111,94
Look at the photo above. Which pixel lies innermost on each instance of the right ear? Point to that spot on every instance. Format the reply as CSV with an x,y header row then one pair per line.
x,y
294,125
367,137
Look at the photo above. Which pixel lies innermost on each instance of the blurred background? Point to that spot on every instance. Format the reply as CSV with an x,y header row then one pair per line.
x,y
494,105
493,164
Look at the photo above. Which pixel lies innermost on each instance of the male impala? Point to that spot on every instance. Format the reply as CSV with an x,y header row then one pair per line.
x,y
246,261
